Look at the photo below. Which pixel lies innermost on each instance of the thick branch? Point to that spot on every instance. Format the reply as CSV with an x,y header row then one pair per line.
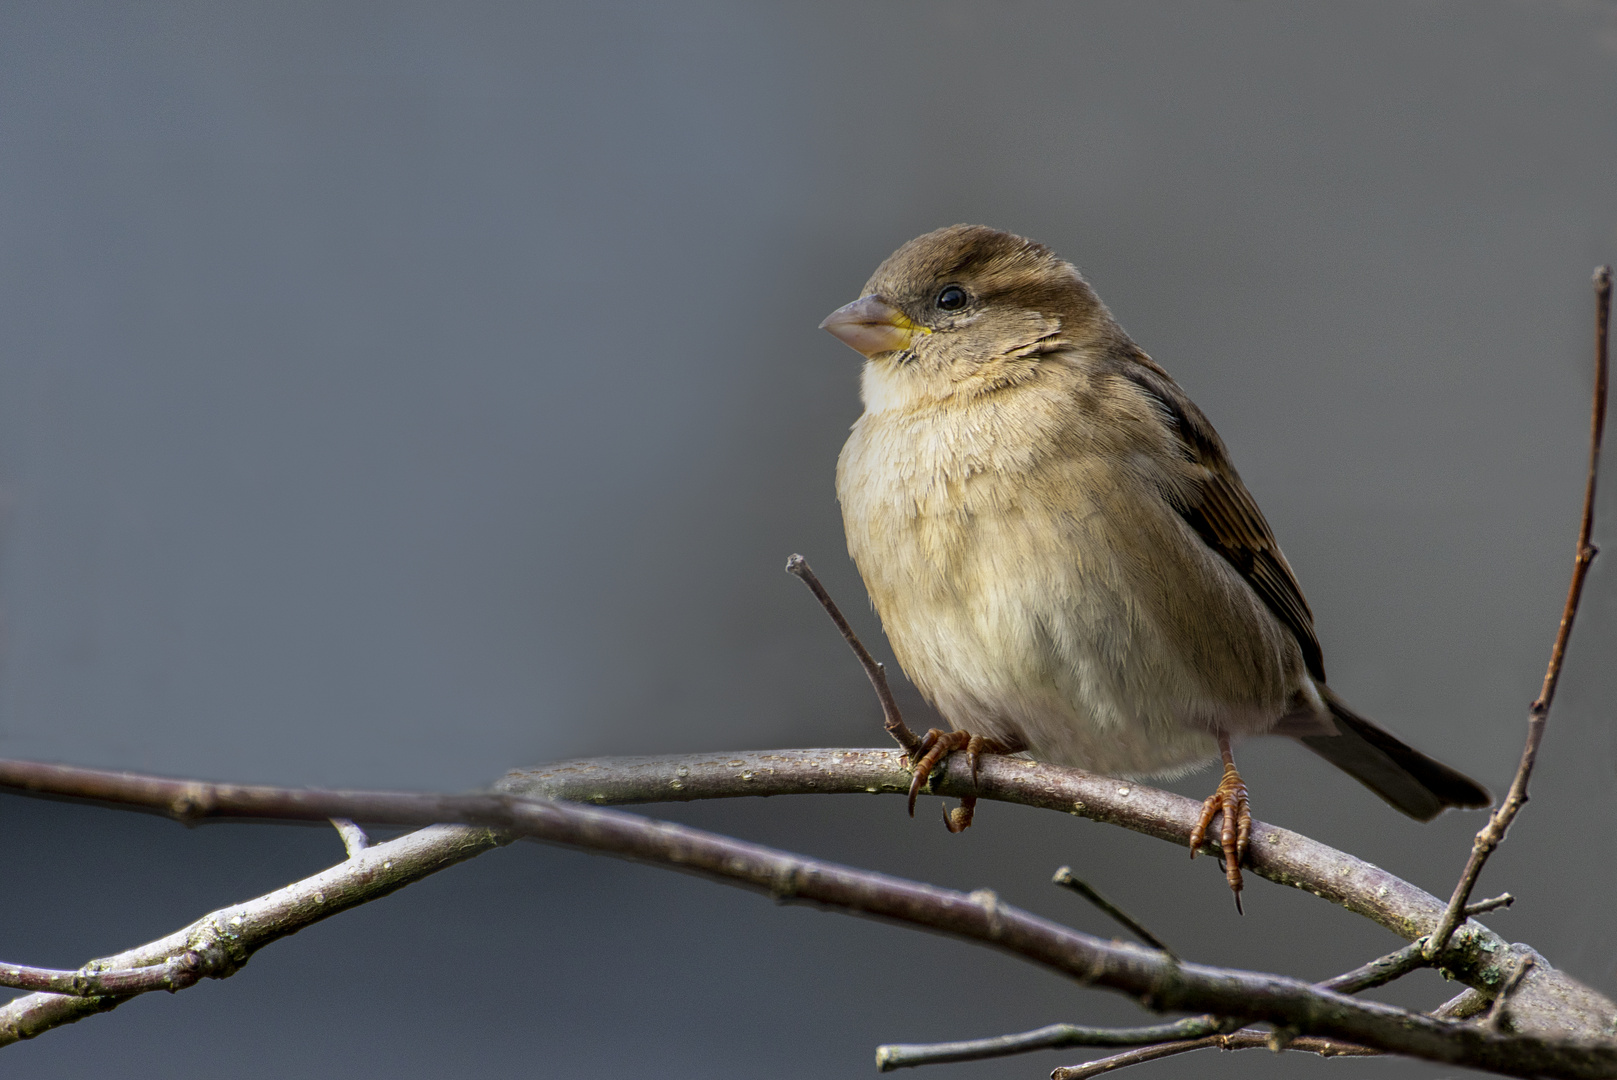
x,y
1549,1002
1144,974
1278,854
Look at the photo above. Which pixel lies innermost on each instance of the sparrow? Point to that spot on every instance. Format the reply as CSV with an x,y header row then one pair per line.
x,y
1063,558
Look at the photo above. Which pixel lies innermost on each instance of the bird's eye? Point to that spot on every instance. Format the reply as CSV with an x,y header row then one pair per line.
x,y
952,298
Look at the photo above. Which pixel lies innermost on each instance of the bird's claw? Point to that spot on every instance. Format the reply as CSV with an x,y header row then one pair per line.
x,y
1235,830
937,745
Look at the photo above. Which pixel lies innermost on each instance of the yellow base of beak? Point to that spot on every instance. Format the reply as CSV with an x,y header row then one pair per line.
x,y
872,326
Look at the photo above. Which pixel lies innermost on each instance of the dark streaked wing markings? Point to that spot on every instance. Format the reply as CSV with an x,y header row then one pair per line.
x,y
1223,512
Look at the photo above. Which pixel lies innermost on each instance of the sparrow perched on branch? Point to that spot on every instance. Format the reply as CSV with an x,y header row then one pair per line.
x,y
1063,558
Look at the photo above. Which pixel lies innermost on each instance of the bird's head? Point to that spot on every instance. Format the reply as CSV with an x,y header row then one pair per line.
x,y
966,310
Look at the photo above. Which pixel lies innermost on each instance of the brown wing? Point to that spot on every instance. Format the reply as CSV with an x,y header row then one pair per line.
x,y
1223,512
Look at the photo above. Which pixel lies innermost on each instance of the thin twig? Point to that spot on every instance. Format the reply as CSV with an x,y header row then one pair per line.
x,y
1482,907
977,917
1493,832
892,720
174,973
1244,1039
1065,877
1133,1057
1499,1011
223,940
1189,1030
1054,1037
354,839
1376,973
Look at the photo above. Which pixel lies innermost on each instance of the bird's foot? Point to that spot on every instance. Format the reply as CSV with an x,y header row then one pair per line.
x,y
937,745
1234,831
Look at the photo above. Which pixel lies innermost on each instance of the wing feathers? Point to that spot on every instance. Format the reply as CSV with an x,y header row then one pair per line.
x,y
1222,511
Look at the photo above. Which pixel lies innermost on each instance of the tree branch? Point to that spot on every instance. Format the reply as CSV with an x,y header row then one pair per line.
x,y
174,973
1067,879
220,942
1148,976
1494,831
1482,907
1191,1033
1244,1039
1053,1037
892,720
1379,972
1549,1002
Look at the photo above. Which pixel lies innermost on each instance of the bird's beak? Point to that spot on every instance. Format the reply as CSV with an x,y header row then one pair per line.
x,y
872,326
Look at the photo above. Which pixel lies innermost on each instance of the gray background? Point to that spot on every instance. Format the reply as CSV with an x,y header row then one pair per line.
x,y
393,394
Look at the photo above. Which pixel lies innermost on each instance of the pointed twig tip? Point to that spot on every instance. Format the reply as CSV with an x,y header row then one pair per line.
x,y
1066,878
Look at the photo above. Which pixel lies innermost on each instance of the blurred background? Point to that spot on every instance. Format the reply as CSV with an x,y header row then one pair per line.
x,y
393,394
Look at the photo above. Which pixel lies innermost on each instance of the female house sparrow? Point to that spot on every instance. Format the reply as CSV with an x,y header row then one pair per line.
x,y
1062,555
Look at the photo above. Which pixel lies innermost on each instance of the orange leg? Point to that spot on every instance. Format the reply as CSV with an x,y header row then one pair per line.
x,y
936,746
1235,829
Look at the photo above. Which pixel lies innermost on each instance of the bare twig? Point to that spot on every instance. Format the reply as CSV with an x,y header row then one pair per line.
x,y
1379,972
798,567
978,917
354,839
174,973
1500,1010
1494,831
1187,1034
1065,877
1054,1037
1244,1039
222,941
1482,907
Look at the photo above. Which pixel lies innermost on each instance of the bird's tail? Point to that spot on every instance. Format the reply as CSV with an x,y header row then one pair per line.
x,y
1402,775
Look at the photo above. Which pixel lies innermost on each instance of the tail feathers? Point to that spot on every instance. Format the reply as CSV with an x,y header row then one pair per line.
x,y
1402,775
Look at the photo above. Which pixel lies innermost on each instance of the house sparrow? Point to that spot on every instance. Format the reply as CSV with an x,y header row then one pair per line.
x,y
1061,553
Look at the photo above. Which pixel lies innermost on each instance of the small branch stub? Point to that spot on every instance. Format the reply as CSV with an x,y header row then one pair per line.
x,y
354,839
1482,907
